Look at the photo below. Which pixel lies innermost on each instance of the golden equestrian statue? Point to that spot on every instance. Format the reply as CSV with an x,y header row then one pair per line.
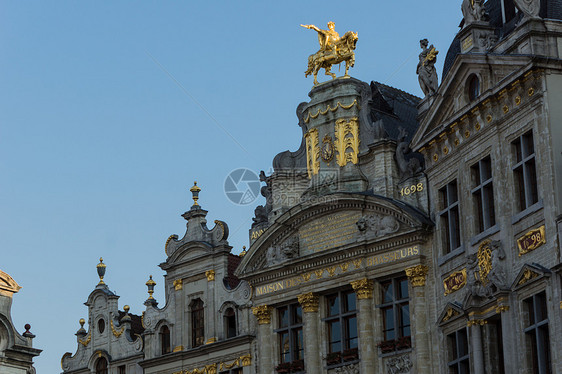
x,y
333,50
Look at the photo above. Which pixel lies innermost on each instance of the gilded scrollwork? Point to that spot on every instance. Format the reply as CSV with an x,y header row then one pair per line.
x,y
309,302
312,152
116,333
263,314
86,341
363,288
417,275
347,141
329,108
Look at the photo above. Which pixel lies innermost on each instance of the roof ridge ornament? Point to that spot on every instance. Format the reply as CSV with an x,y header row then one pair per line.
x,y
101,271
195,192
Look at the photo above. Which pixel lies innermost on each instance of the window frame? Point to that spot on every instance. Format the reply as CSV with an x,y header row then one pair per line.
x,y
541,358
343,316
455,362
197,323
397,304
102,370
165,349
525,169
449,209
292,330
482,192
226,321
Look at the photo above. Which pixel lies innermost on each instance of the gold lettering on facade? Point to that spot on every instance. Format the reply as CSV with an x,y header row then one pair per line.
x,y
332,231
467,43
369,262
256,234
455,281
312,152
531,240
347,141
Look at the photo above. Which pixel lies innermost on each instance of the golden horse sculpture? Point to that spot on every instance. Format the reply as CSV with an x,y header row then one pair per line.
x,y
333,50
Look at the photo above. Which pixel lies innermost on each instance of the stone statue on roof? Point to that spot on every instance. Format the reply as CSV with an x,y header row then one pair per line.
x,y
530,8
473,11
427,74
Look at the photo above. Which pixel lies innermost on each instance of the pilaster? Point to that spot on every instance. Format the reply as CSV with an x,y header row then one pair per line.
x,y
367,352
265,338
312,358
417,276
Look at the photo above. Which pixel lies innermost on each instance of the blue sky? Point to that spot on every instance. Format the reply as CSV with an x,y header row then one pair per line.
x,y
110,110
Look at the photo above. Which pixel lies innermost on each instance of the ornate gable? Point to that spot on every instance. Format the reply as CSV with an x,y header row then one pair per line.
x,y
529,273
451,312
450,105
348,221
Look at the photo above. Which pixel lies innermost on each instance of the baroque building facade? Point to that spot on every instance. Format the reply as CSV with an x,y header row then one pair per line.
x,y
16,350
405,235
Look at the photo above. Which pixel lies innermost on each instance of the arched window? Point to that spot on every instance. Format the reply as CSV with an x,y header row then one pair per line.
x,y
473,87
230,323
165,339
197,323
101,366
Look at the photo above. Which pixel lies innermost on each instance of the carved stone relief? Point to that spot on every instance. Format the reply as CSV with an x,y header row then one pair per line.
x,y
284,252
407,167
485,269
348,369
399,365
375,225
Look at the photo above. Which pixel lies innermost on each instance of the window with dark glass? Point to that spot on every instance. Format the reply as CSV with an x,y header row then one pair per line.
x,y
101,325
457,349
290,334
492,332
449,216
197,323
473,87
165,339
122,369
536,334
232,371
483,194
230,323
342,326
395,308
524,171
101,366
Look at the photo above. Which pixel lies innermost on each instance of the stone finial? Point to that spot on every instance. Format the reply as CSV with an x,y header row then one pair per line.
x,y
195,192
309,302
101,271
263,314
150,284
82,321
417,275
363,288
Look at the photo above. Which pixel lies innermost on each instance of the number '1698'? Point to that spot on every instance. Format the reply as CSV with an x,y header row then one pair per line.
x,y
405,191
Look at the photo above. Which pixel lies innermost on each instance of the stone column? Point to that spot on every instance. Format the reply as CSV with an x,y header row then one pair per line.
x,y
475,331
367,351
312,357
265,338
418,316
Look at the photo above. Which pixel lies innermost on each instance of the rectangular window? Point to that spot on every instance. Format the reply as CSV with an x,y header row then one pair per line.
x,y
457,349
341,322
290,334
536,334
395,310
122,369
483,194
449,216
493,345
197,323
524,171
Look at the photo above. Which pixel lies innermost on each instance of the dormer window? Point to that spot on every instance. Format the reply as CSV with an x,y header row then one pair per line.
x,y
473,87
230,323
101,365
197,323
165,339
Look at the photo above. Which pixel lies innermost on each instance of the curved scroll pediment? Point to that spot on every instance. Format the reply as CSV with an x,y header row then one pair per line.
x,y
8,285
346,221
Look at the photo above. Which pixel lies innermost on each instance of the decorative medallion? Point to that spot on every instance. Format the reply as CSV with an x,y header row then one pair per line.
x,y
531,240
455,281
327,151
531,91
484,256
489,118
518,100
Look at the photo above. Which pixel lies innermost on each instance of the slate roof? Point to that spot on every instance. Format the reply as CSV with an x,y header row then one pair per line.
x,y
396,108
136,323
551,9
231,281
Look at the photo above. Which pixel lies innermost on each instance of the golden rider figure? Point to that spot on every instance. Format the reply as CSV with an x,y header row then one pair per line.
x,y
326,38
